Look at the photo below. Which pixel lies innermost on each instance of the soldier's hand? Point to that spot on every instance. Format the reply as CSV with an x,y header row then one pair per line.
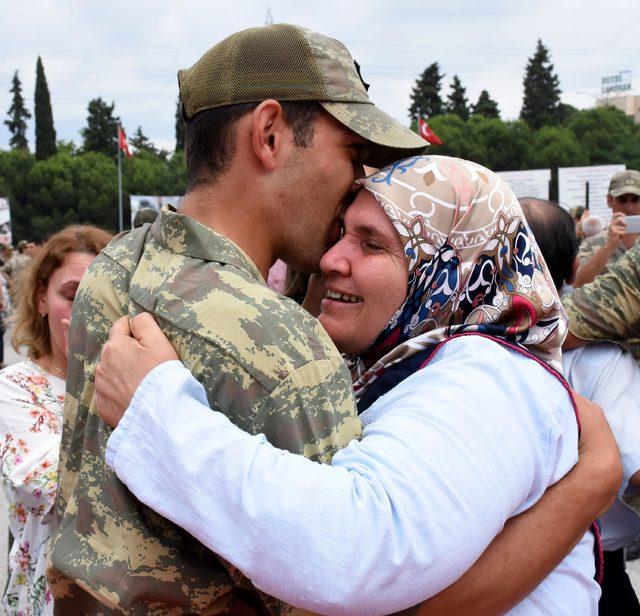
x,y
599,455
617,229
132,351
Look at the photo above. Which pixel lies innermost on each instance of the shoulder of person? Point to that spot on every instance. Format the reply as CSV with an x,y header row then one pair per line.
x,y
491,374
589,243
229,307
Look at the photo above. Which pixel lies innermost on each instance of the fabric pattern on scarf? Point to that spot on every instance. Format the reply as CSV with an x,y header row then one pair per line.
x,y
473,265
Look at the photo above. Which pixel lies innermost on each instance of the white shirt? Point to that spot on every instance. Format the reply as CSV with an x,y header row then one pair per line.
x,y
31,404
446,458
610,377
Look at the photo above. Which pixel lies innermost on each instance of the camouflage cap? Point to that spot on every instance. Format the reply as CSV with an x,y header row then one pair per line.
x,y
290,63
625,182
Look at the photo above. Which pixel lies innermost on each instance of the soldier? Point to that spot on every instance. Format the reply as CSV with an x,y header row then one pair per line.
x,y
270,113
605,248
609,307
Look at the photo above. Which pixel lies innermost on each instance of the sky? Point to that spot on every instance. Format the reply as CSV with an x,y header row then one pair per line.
x,y
128,52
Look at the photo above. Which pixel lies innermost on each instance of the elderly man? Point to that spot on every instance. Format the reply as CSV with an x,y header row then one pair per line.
x,y
605,248
278,126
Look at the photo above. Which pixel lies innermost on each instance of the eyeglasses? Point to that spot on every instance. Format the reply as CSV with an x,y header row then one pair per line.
x,y
628,199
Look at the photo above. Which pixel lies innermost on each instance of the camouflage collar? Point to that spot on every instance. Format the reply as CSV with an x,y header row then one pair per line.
x,y
185,236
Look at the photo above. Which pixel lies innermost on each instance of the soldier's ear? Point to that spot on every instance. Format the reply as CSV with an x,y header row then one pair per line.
x,y
269,134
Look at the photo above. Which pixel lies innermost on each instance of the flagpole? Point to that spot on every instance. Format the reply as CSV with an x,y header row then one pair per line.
x,y
120,225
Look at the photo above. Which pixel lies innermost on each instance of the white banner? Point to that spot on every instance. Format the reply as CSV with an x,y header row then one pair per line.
x,y
154,202
5,221
572,187
528,183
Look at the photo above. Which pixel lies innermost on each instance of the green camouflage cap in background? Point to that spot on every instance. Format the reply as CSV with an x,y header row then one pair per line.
x,y
625,182
290,63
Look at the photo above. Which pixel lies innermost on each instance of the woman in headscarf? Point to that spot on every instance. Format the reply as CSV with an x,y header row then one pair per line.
x,y
438,296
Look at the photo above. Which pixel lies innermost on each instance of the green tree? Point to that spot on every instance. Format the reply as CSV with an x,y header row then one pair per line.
x,y
179,126
18,115
541,102
457,99
45,131
486,106
425,97
608,136
101,132
556,146
142,143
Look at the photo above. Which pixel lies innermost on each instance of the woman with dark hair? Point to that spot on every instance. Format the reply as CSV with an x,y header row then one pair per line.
x,y
31,405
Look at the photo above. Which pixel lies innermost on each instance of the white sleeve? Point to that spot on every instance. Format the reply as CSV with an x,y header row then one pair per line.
x,y
396,518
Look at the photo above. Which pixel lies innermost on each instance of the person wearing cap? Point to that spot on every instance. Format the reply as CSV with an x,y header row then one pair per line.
x,y
605,248
278,126
144,215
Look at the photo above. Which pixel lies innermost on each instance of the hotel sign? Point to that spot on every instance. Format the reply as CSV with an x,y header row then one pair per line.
x,y
616,83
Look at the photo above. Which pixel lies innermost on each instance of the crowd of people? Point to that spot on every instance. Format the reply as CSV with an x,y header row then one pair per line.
x,y
399,431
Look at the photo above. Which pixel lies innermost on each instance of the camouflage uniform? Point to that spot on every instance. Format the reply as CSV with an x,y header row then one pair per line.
x,y
609,307
263,361
591,244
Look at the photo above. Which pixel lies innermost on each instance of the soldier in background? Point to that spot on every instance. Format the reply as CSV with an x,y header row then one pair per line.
x,y
17,263
144,215
605,248
278,126
609,307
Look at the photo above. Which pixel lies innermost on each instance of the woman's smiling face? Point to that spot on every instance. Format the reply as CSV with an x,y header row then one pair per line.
x,y
365,277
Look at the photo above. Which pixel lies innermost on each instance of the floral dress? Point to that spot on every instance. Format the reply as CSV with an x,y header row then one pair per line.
x,y
31,405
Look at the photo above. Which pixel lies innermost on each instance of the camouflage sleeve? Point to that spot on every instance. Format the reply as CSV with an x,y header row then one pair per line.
x,y
609,307
585,252
312,411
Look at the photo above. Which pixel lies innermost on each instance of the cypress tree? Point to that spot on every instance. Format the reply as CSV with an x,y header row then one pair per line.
x,y
486,106
457,100
18,115
141,142
425,97
45,131
179,126
101,132
541,104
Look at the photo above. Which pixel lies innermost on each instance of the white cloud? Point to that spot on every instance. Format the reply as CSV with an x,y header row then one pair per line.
x,y
129,52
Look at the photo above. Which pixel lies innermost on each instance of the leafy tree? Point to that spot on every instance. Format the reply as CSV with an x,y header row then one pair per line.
x,y
179,126
556,146
457,100
608,136
101,132
18,115
45,131
425,97
541,102
486,106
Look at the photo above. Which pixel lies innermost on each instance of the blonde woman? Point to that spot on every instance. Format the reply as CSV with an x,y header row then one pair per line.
x,y
31,405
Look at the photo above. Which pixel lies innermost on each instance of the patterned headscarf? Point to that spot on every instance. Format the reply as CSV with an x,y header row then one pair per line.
x,y
473,265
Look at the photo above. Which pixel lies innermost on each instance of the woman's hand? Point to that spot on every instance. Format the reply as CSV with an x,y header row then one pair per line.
x,y
132,351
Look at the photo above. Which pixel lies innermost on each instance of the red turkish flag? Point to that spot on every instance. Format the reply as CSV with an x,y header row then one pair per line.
x,y
426,133
122,142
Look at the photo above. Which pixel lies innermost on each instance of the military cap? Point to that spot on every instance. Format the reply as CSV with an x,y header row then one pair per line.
x,y
625,182
290,63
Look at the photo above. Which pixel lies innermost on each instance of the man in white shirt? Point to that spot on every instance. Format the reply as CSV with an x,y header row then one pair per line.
x,y
609,376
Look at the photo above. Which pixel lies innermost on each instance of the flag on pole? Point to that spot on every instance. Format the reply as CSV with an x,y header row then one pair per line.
x,y
425,131
122,142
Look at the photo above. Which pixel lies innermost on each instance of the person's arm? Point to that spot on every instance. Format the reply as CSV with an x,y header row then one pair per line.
x,y
557,522
609,307
386,541
597,261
